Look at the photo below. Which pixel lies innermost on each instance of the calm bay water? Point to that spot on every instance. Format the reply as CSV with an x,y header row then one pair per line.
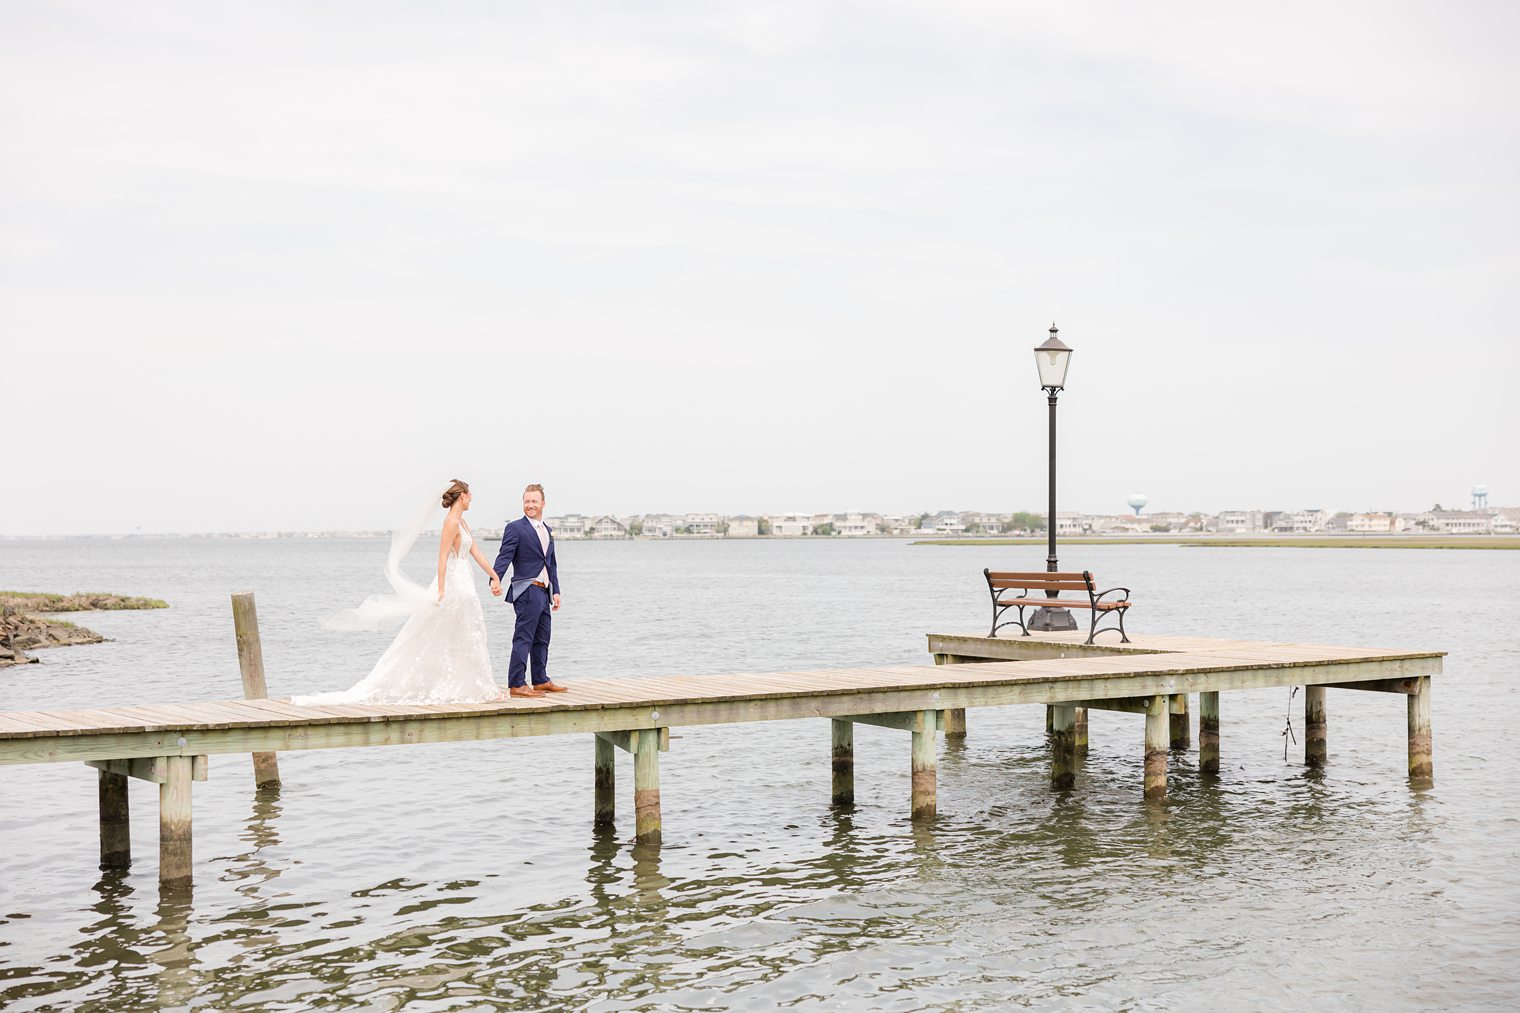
x,y
466,876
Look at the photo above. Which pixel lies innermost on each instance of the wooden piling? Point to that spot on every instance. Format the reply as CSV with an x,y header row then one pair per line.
x,y
1156,753
1182,723
925,798
1421,765
844,762
954,722
1208,733
1080,728
1315,730
646,786
245,621
1063,748
174,852
115,828
605,806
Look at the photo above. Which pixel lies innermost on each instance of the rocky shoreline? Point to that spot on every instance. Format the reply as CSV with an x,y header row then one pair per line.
x,y
24,627
20,633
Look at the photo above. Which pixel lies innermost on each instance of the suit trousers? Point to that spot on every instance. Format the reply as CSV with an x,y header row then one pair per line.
x,y
531,637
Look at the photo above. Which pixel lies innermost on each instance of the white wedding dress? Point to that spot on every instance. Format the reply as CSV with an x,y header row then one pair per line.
x,y
440,654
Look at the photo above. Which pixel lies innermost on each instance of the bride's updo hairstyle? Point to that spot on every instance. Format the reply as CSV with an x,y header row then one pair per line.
x,y
455,490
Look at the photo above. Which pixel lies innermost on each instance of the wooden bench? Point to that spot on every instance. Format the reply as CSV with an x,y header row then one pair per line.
x,y
1033,587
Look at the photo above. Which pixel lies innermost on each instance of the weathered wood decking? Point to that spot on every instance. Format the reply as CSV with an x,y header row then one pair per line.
x,y
167,743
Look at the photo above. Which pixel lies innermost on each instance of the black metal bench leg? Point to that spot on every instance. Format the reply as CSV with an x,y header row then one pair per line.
x,y
1122,635
1092,626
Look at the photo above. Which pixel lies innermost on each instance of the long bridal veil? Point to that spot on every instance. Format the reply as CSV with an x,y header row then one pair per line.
x,y
408,597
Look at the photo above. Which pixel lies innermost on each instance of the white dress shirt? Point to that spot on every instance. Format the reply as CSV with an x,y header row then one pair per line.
x,y
543,543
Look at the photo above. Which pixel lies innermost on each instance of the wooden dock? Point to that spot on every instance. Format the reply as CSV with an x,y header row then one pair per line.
x,y
169,744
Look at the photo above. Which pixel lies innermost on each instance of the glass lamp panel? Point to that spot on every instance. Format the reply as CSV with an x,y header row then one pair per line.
x,y
1052,363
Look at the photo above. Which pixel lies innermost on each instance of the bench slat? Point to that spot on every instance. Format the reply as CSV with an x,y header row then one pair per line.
x,y
1039,585
1060,575
1066,603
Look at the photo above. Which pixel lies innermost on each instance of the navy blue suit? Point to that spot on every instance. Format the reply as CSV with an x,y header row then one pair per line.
x,y
520,549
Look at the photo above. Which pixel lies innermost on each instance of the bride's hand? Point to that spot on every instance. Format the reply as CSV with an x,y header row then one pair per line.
x,y
496,586
440,596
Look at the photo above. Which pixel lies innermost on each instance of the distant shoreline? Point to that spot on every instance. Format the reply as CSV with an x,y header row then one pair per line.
x,y
1402,540
1255,542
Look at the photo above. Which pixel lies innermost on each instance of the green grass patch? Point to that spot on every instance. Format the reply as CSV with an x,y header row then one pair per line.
x,y
79,601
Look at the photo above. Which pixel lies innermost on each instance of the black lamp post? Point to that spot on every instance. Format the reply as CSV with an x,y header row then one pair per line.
x,y
1052,358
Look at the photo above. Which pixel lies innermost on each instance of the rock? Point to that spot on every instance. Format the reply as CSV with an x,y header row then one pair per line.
x,y
11,656
20,633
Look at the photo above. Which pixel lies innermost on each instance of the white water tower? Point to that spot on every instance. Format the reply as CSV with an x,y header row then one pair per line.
x,y
1480,497
1137,501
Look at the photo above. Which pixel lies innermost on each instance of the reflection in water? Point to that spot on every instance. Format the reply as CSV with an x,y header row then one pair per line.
x,y
262,831
175,979
859,899
124,962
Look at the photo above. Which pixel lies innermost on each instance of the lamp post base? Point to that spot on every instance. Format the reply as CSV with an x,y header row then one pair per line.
x,y
1052,620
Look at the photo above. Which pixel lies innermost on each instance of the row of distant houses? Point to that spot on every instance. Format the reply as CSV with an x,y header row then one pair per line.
x,y
1297,522
956,524
1449,522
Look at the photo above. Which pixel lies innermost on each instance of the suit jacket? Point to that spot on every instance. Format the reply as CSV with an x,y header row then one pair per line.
x,y
521,551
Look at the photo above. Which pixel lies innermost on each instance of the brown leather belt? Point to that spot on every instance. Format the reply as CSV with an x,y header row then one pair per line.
x,y
539,583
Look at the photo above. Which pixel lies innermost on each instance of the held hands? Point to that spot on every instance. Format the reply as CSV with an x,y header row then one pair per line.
x,y
496,586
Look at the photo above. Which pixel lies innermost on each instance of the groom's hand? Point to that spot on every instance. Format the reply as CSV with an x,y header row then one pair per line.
x,y
496,586
556,603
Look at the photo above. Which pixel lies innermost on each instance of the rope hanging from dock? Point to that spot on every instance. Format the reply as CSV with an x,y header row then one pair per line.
x,y
1287,732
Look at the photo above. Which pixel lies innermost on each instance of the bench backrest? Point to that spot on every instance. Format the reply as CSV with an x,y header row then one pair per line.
x,y
1041,581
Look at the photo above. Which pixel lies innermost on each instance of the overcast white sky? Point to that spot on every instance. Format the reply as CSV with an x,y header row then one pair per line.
x,y
265,265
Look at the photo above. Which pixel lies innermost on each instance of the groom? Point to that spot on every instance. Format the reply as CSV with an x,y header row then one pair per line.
x,y
527,546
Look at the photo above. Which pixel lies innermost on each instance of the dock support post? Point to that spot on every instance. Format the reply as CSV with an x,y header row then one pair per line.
x,y
1156,753
1182,727
954,722
1080,728
1208,733
1315,730
646,785
245,622
606,783
844,761
1063,747
1421,766
115,828
174,868
925,787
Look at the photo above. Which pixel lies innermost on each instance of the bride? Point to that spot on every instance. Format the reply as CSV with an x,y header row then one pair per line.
x,y
440,654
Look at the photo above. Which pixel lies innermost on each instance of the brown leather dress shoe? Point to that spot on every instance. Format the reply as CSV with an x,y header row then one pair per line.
x,y
552,687
524,691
